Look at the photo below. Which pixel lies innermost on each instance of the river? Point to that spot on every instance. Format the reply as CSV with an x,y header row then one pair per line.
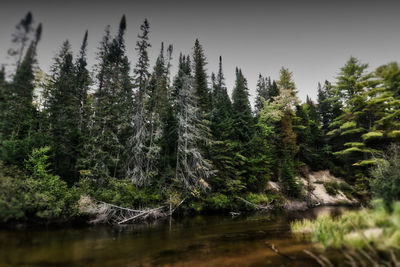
x,y
201,240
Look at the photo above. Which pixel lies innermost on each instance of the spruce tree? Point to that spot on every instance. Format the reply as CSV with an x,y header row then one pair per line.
x,y
3,83
353,83
221,107
21,38
113,107
221,150
83,82
62,109
261,92
288,148
273,89
192,169
138,154
18,114
200,79
241,110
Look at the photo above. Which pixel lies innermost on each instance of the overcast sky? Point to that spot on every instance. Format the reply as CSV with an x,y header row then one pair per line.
x,y
312,38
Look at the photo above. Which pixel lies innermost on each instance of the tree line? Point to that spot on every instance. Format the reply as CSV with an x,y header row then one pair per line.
x,y
129,125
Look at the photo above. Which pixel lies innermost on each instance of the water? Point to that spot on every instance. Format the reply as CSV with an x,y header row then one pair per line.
x,y
215,240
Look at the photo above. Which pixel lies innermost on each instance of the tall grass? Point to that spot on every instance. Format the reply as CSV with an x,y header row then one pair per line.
x,y
374,232
355,229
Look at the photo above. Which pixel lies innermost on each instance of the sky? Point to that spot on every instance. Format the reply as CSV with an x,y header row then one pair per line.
x,y
313,38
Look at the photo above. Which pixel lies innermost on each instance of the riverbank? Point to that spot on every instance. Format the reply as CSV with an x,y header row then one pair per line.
x,y
46,199
369,231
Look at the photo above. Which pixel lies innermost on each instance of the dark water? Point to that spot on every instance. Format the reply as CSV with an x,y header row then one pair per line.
x,y
190,241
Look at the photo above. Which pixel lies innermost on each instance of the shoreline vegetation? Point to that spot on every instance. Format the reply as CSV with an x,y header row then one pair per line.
x,y
367,235
125,142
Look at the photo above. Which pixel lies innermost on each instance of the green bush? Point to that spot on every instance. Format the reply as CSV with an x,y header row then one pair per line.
x,y
121,192
258,199
34,194
332,188
385,181
219,201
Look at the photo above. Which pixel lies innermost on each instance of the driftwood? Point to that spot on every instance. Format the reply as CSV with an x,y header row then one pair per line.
x,y
103,212
257,207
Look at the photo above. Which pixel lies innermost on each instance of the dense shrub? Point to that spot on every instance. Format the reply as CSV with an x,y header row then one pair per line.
x,y
332,188
386,176
35,193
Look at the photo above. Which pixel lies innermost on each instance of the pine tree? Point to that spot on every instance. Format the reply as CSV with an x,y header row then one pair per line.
x,y
62,110
286,82
309,135
138,154
241,110
192,169
221,107
353,83
141,70
221,150
273,89
383,107
262,92
113,107
200,78
352,79
83,82
203,95
242,131
21,38
3,83
288,148
158,113
18,114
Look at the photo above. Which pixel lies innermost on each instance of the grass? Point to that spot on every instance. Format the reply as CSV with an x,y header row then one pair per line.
x,y
355,229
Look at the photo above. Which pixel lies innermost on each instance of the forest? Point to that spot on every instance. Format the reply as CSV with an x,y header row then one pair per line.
x,y
136,136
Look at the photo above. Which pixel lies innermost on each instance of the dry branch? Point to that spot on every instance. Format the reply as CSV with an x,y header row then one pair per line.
x,y
103,212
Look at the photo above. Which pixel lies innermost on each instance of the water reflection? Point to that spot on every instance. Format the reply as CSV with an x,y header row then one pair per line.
x,y
191,241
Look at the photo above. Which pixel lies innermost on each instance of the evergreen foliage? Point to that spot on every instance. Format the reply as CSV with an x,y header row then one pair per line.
x,y
138,140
